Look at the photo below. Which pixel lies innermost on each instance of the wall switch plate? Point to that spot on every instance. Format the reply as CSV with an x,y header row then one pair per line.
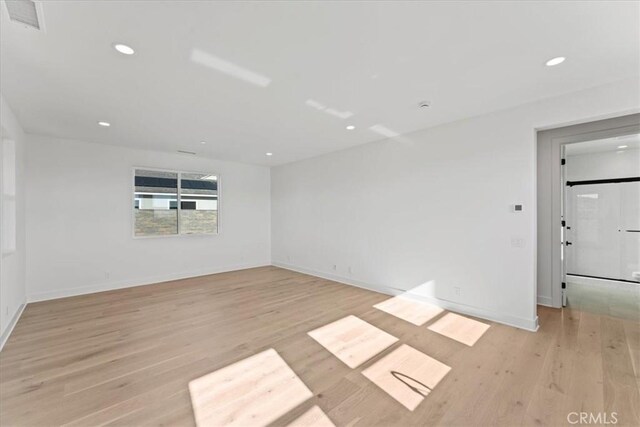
x,y
517,242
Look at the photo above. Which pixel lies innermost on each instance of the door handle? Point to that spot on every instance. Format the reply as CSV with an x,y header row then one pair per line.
x,y
568,243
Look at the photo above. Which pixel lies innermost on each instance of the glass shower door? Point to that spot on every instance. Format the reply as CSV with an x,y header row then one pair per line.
x,y
603,221
630,231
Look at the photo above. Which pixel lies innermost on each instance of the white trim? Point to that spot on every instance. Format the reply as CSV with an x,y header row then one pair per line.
x,y
551,193
507,319
103,287
546,301
589,119
12,324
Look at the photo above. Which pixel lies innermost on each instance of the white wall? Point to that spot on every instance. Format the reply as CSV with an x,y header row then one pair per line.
x,y
12,265
433,206
79,220
603,165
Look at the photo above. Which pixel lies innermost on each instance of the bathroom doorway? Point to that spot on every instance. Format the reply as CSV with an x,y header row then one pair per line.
x,y
589,217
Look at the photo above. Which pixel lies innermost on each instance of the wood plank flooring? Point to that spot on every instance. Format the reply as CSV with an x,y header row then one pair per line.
x,y
126,357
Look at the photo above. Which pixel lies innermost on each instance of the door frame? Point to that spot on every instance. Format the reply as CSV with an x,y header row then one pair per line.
x,y
550,194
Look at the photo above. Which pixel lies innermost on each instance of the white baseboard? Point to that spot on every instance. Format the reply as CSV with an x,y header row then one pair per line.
x,y
546,301
103,287
518,322
12,324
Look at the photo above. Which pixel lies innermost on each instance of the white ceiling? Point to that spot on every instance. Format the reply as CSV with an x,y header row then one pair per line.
x,y
618,143
311,62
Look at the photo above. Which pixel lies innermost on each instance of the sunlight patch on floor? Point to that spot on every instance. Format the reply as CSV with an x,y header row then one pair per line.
x,y
254,391
459,328
314,417
409,309
407,375
352,340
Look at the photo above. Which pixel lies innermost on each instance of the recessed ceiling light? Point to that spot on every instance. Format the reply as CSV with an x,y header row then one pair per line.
x,y
555,61
622,146
105,124
124,49
203,142
351,127
269,154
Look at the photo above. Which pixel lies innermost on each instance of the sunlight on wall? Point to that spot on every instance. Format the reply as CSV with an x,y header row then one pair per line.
x,y
459,328
352,340
411,310
253,391
425,290
407,375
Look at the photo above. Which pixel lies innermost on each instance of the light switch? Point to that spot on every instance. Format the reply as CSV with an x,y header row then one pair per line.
x,y
517,242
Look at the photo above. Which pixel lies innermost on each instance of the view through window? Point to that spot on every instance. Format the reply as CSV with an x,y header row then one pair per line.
x,y
170,203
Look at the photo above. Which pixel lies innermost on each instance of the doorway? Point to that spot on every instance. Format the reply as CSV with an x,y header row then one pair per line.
x,y
602,225
589,215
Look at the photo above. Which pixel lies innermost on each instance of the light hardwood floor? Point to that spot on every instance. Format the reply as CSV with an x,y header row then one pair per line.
x,y
126,357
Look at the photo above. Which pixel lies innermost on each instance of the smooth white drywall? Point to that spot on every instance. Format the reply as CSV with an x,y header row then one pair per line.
x,y
433,207
603,165
12,265
79,220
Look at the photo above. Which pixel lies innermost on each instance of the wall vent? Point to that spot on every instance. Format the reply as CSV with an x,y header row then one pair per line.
x,y
24,12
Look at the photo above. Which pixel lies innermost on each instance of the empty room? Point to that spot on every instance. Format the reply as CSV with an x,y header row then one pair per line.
x,y
319,213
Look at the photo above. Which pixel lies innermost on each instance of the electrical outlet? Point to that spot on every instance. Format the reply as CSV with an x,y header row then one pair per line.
x,y
107,275
335,267
350,270
456,290
288,257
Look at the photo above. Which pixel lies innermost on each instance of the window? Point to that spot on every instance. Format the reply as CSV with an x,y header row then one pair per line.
x,y
170,203
8,149
198,203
